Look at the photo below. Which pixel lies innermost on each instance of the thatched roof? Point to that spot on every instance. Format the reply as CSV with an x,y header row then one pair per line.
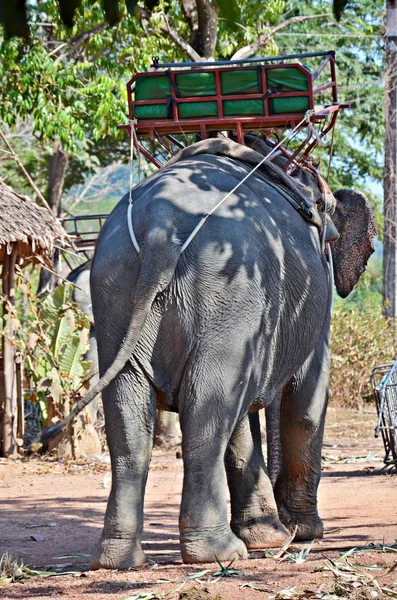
x,y
33,228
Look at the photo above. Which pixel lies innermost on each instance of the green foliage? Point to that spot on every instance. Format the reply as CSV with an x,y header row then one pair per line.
x,y
360,340
69,85
360,58
368,291
52,336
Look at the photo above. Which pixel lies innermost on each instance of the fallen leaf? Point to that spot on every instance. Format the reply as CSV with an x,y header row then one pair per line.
x,y
34,537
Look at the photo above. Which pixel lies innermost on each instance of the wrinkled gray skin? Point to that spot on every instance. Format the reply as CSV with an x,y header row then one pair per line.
x,y
167,435
238,321
82,296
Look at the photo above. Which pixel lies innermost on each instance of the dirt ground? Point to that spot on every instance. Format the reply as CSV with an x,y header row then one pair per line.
x,y
52,514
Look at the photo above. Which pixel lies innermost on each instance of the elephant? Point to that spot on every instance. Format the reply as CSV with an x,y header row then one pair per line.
x,y
217,325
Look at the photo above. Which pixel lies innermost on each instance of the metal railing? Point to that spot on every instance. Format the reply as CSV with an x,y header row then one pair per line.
x,y
384,386
82,230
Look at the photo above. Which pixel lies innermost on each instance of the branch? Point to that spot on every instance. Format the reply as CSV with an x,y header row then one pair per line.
x,y
78,40
24,171
166,28
265,38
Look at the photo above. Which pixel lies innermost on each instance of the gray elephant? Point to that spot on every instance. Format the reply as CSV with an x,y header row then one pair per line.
x,y
237,321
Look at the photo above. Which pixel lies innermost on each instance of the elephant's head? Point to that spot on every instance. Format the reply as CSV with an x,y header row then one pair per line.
x,y
354,220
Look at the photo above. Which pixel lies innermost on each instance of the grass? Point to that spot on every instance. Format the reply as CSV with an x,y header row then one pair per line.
x,y
13,570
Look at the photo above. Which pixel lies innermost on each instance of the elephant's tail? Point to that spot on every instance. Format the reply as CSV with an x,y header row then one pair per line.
x,y
157,271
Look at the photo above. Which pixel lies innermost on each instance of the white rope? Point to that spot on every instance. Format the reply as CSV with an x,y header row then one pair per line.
x,y
131,228
132,132
331,276
130,202
305,119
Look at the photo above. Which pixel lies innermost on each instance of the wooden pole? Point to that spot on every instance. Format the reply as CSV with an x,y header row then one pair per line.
x,y
390,179
9,424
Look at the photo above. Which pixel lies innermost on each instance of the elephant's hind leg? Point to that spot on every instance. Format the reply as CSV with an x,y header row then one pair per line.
x,y
129,404
208,418
302,416
254,511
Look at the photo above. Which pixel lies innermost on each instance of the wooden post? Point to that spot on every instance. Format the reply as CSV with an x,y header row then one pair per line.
x,y
9,424
390,179
20,399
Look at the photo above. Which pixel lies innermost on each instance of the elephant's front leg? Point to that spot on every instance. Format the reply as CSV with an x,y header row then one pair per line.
x,y
130,417
254,511
302,415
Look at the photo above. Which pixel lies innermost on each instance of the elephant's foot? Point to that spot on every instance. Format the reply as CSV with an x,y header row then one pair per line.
x,y
117,553
200,548
261,533
308,526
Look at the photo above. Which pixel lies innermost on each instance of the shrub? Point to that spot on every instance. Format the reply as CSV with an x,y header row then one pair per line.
x,y
360,340
51,334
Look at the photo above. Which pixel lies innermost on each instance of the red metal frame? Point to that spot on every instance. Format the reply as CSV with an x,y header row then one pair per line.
x,y
169,127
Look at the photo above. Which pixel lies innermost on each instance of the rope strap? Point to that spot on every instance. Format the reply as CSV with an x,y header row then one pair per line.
x,y
306,119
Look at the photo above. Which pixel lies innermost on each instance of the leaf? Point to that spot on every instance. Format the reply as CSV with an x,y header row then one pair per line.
x,y
35,537
283,548
70,361
74,556
256,586
54,313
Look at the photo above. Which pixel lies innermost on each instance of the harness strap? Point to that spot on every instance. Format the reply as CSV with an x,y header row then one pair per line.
x,y
303,208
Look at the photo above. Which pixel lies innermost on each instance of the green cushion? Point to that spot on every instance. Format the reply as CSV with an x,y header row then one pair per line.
x,y
240,82
297,104
191,110
235,108
153,87
151,111
288,79
195,84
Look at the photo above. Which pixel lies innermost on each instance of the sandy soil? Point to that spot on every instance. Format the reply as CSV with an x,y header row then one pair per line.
x,y
52,513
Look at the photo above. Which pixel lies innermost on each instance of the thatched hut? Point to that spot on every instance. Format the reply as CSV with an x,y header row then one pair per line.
x,y
28,234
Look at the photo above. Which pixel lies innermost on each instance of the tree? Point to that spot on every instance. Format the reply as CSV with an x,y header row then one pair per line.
x,y
390,178
69,84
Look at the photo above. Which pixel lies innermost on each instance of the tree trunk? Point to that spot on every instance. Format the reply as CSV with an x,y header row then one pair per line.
x,y
208,27
390,180
57,171
9,400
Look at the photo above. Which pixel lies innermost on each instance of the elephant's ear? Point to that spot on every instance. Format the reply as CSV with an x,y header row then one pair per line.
x,y
354,220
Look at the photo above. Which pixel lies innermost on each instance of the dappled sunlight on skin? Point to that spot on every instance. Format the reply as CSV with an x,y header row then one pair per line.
x,y
230,320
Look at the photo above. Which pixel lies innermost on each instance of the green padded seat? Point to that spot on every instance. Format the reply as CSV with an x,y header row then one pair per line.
x,y
299,104
195,84
192,110
151,111
240,82
155,87
247,108
288,79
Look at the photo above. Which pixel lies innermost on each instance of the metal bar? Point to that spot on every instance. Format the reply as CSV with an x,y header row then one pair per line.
x,y
324,87
85,218
243,61
321,67
333,77
175,141
219,96
214,97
